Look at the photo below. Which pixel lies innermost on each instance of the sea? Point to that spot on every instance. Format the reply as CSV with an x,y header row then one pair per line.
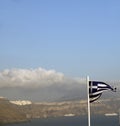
x,y
100,120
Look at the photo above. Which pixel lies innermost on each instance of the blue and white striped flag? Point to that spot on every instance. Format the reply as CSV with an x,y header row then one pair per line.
x,y
96,89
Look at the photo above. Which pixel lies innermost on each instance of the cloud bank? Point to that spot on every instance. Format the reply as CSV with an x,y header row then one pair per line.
x,y
41,85
30,78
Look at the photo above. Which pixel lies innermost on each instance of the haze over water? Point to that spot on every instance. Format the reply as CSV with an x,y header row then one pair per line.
x,y
72,121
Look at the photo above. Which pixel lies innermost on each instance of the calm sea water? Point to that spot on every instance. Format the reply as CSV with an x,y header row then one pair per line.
x,y
72,121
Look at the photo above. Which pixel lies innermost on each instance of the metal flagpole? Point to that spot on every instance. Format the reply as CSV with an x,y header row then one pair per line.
x,y
87,81
119,117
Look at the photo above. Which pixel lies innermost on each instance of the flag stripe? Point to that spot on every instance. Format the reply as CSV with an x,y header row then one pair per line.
x,y
96,93
95,98
101,85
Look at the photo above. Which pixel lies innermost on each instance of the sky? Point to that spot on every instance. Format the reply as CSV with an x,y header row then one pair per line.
x,y
77,38
72,38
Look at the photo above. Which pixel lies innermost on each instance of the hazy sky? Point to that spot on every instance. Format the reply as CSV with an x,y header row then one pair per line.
x,y
73,37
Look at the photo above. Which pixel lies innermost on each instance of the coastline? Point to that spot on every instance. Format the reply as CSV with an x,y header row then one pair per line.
x,y
6,122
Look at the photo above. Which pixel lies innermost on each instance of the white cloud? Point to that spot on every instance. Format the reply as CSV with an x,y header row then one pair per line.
x,y
30,78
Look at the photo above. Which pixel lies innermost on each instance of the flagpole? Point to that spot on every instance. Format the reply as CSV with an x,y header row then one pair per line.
x,y
87,81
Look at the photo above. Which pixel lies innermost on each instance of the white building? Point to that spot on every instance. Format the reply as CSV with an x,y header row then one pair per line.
x,y
23,102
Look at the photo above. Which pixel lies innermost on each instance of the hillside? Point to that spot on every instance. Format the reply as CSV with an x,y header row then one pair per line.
x,y
77,108
10,113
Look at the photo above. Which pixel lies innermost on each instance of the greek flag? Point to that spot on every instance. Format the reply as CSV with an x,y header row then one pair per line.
x,y
96,89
